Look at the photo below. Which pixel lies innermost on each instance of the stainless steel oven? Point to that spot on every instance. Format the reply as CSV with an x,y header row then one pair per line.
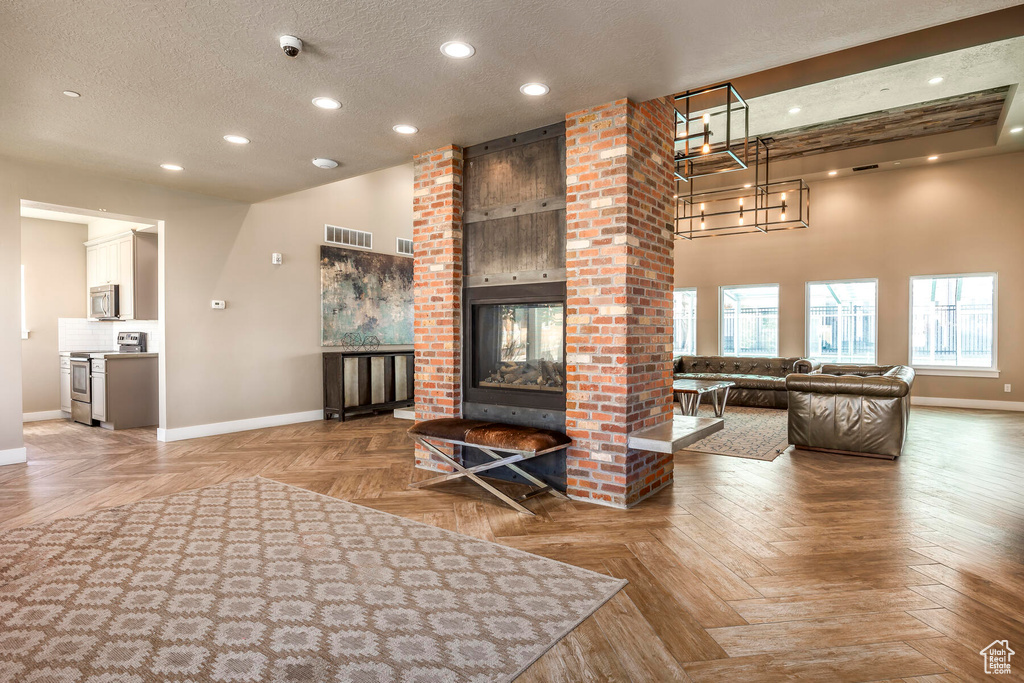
x,y
103,302
81,390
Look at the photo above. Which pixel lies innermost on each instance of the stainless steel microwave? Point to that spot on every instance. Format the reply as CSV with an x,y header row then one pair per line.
x,y
103,303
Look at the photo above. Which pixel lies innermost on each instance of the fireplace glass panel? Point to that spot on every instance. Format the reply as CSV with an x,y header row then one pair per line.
x,y
520,346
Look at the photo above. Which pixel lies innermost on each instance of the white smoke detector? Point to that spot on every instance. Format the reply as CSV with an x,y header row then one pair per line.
x,y
325,163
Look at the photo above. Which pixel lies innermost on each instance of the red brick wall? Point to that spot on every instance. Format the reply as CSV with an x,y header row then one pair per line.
x,y
437,275
619,163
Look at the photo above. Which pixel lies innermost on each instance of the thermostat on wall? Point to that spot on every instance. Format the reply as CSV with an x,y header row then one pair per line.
x,y
218,304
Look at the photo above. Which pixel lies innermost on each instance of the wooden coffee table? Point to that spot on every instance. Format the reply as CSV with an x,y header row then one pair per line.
x,y
689,391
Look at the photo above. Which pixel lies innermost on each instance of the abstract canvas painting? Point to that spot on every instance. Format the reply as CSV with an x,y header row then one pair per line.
x,y
365,295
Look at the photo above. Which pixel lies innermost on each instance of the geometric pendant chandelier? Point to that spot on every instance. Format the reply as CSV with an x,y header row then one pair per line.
x,y
712,127
711,138
761,206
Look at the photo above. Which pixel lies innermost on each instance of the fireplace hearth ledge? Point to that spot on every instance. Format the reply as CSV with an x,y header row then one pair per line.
x,y
674,435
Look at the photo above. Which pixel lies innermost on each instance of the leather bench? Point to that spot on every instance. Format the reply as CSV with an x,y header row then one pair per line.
x,y
521,443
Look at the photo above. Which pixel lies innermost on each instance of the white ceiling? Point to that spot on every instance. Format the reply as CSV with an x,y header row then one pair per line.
x,y
164,81
98,223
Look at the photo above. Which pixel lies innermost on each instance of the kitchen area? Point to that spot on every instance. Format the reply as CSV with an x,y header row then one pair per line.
x,y
91,331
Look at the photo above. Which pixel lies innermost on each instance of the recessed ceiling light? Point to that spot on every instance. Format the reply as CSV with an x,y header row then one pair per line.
x,y
794,110
172,167
1016,129
933,157
325,163
405,129
72,93
326,103
896,163
534,89
456,49
747,185
935,81
833,172
237,139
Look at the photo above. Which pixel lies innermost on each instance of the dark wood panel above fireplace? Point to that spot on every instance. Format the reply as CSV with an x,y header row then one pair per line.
x,y
520,245
514,209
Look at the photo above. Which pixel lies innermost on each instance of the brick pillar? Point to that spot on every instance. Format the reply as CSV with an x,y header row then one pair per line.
x,y
619,163
437,282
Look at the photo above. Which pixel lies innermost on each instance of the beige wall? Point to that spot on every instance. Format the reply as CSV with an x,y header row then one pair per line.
x,y
54,261
260,356
272,363
956,217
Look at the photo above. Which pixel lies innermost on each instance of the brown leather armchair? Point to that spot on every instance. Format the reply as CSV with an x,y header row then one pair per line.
x,y
851,409
760,382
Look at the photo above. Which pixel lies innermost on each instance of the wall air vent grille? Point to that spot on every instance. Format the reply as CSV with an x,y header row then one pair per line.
x,y
348,237
866,168
404,247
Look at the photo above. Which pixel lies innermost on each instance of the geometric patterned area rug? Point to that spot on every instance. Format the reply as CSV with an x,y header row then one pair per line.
x,y
755,433
255,580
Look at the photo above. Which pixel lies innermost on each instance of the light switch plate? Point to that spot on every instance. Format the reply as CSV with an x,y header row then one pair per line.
x,y
276,259
218,304
1006,388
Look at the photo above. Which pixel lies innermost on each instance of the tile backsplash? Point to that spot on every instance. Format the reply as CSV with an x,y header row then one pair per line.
x,y
81,334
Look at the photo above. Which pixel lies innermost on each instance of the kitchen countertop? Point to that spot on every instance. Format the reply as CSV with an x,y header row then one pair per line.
x,y
111,355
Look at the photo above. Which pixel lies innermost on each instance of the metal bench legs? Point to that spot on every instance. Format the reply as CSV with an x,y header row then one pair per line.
x,y
499,461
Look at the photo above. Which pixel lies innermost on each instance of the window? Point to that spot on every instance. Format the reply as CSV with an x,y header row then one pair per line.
x,y
24,313
749,324
842,321
684,322
953,322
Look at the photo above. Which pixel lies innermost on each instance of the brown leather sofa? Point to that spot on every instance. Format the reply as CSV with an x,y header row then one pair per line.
x,y
760,382
851,409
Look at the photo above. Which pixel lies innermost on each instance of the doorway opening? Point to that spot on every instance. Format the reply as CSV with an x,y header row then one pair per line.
x,y
92,319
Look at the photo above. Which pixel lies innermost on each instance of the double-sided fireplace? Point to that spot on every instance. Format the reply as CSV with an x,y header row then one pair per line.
x,y
515,345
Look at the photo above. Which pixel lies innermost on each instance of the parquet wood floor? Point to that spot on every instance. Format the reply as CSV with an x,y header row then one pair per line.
x,y
813,567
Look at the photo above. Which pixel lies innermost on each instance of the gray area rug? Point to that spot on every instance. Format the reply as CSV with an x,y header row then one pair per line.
x,y
755,433
256,580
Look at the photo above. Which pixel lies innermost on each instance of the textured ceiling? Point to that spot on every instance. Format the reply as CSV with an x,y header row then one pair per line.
x,y
164,81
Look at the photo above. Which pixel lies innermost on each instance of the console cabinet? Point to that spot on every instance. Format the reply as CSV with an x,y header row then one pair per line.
x,y
358,382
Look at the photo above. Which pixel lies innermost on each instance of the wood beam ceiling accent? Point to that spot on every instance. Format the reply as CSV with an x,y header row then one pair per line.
x,y
947,115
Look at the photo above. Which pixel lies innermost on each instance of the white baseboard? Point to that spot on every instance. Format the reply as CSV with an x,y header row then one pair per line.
x,y
13,456
974,403
216,428
44,415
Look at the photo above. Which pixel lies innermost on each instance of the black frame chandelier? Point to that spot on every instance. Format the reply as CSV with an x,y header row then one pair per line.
x,y
712,137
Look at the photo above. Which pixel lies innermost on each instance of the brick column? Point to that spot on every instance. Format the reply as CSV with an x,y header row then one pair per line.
x,y
437,282
619,163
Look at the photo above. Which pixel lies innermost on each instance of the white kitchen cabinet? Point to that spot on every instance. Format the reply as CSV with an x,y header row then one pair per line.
x,y
92,266
99,390
124,251
65,384
128,260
